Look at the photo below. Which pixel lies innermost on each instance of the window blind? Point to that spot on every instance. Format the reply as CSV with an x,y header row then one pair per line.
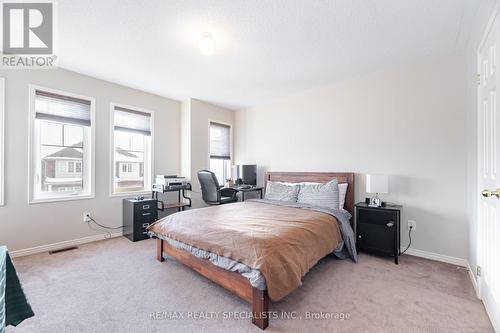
x,y
54,107
220,136
132,121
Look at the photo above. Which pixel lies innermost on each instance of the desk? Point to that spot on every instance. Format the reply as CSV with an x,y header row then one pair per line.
x,y
181,194
251,189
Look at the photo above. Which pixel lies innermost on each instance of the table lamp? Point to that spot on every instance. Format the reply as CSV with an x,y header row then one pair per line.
x,y
376,183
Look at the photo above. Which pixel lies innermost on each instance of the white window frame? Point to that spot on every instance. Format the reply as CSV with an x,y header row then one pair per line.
x,y
230,145
31,147
2,141
112,147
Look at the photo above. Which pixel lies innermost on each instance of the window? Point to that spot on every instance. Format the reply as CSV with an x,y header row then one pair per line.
x,y
2,137
61,146
129,167
220,151
74,167
131,151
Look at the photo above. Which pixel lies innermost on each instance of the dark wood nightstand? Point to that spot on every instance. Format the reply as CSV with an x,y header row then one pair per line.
x,y
378,229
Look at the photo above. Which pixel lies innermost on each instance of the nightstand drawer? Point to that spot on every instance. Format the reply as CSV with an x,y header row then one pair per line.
x,y
377,217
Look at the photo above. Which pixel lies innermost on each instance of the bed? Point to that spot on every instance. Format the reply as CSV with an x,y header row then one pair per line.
x,y
259,249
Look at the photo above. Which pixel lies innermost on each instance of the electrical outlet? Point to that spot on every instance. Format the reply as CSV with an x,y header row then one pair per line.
x,y
412,224
86,217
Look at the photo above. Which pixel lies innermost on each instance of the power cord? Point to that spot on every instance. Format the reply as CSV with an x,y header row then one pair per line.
x,y
108,234
409,236
103,226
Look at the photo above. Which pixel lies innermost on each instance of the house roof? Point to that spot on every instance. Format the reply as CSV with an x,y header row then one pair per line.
x,y
75,153
68,152
122,155
126,153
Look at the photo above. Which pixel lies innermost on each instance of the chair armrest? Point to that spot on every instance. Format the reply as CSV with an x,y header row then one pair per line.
x,y
228,192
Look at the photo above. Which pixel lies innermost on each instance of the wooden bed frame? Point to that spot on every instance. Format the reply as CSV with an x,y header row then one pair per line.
x,y
235,282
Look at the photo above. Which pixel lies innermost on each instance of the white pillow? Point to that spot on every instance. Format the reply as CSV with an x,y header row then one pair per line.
x,y
342,193
342,190
281,192
322,195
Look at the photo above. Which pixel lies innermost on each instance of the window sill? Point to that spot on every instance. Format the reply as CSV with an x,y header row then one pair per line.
x,y
127,194
70,198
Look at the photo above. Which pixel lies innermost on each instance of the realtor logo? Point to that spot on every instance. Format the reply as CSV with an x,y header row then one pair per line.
x,y
28,29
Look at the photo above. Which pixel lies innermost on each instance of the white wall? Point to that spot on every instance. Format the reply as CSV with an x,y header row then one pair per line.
x,y
186,139
408,122
477,31
24,226
198,114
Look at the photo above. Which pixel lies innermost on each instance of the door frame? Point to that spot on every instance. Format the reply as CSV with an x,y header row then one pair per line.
x,y
480,251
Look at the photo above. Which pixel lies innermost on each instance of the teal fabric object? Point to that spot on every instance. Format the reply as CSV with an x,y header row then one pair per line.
x,y
14,306
3,280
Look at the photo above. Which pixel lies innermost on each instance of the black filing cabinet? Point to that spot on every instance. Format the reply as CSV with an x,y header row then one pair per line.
x,y
378,230
137,216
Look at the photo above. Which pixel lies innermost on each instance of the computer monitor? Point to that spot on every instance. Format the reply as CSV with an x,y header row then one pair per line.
x,y
247,173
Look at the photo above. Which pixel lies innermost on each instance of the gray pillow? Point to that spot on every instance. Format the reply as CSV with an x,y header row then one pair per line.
x,y
281,192
322,195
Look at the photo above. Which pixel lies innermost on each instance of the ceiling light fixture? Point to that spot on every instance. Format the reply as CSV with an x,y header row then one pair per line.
x,y
207,46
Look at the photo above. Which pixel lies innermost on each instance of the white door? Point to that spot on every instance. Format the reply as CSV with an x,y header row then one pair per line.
x,y
488,169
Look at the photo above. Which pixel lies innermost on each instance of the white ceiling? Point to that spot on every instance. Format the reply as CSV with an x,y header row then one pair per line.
x,y
264,48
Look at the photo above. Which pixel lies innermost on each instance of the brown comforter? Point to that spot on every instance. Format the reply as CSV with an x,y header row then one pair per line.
x,y
283,243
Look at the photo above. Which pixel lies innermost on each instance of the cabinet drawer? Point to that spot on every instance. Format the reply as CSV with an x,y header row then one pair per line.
x,y
377,238
145,216
141,232
145,205
376,217
148,206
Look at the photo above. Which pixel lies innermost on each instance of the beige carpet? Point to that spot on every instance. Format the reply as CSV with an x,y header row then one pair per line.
x,y
115,285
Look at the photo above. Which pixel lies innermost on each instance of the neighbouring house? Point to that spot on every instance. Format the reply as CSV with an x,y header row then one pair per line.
x,y
62,170
129,169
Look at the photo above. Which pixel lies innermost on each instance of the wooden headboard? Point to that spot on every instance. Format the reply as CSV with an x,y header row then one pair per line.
x,y
318,177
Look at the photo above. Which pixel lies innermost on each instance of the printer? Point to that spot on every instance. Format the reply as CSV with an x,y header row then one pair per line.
x,y
165,183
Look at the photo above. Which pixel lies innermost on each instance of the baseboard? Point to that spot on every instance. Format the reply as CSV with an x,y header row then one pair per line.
x,y
449,260
61,245
473,279
438,257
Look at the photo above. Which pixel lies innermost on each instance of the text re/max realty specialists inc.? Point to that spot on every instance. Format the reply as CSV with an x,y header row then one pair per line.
x,y
237,315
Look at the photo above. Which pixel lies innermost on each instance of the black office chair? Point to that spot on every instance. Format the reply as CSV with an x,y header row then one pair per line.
x,y
211,191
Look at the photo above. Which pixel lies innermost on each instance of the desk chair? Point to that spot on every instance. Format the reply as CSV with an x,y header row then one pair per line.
x,y
211,191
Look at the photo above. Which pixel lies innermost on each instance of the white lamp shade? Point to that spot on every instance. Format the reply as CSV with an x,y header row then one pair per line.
x,y
377,183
